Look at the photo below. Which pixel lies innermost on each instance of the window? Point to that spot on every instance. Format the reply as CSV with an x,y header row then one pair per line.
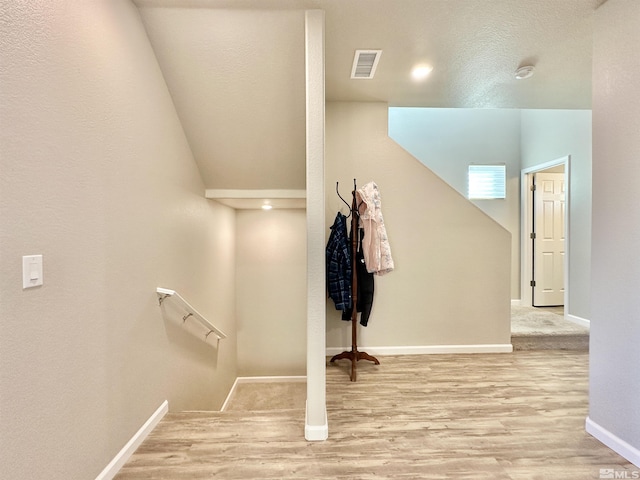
x,y
487,181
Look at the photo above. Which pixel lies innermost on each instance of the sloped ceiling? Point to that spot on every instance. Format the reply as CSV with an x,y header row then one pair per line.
x,y
237,81
235,68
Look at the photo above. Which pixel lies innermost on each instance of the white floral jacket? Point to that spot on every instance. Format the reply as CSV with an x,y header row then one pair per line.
x,y
375,244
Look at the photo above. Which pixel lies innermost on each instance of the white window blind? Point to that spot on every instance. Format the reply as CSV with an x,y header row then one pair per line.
x,y
487,181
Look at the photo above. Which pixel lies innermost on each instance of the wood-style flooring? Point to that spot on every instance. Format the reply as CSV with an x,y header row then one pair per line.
x,y
483,416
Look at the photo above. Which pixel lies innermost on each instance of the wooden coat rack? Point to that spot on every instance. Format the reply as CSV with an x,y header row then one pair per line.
x,y
354,355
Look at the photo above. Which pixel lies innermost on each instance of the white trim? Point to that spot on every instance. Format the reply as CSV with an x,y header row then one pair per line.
x,y
123,455
273,379
315,433
516,302
229,395
216,193
614,442
583,322
430,349
525,227
546,165
264,379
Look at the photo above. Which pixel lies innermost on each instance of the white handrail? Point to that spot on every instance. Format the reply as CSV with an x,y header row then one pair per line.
x,y
164,293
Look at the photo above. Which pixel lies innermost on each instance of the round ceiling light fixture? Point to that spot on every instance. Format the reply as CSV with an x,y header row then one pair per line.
x,y
420,72
525,71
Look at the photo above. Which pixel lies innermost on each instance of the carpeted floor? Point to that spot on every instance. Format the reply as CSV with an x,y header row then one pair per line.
x,y
546,329
542,321
268,396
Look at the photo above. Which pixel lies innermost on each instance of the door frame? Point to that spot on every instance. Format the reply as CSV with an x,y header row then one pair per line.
x,y
526,228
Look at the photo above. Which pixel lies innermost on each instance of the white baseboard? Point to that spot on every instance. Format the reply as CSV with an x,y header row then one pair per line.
x,y
516,301
428,349
271,379
229,395
315,433
615,443
583,322
123,455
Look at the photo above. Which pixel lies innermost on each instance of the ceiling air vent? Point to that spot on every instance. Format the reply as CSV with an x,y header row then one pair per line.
x,y
365,63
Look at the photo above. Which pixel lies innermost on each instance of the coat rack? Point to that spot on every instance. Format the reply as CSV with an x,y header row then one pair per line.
x,y
354,355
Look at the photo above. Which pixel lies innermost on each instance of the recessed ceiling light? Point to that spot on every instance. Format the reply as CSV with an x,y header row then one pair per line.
x,y
267,206
524,72
420,72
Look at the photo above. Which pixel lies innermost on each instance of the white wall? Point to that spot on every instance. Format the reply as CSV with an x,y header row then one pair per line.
x,y
271,292
448,140
451,283
551,134
97,176
614,381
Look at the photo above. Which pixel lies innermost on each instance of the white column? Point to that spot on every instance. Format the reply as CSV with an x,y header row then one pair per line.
x,y
316,427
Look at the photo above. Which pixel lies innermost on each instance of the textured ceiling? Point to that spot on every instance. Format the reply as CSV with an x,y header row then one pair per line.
x,y
237,81
235,68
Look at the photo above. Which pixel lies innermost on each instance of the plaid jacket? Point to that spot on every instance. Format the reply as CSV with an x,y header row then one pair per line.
x,y
338,257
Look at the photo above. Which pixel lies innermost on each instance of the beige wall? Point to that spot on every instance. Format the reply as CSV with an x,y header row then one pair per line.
x,y
448,140
614,383
451,283
271,292
454,296
97,176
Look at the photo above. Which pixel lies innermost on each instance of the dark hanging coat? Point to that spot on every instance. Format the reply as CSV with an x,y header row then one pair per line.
x,y
364,301
338,260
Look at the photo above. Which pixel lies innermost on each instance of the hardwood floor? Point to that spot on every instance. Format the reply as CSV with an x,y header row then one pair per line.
x,y
496,416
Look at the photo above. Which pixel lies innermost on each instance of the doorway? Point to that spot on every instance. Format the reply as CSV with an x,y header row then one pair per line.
x,y
547,280
545,234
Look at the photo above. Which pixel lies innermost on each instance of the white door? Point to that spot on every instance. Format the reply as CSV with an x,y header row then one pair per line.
x,y
548,241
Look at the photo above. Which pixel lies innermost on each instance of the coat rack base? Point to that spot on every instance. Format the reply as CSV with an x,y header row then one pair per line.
x,y
355,356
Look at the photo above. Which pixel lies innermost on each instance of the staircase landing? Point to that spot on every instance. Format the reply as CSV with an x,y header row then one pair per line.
x,y
546,329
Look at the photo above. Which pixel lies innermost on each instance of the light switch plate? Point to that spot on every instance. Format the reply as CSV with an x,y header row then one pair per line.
x,y
32,271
